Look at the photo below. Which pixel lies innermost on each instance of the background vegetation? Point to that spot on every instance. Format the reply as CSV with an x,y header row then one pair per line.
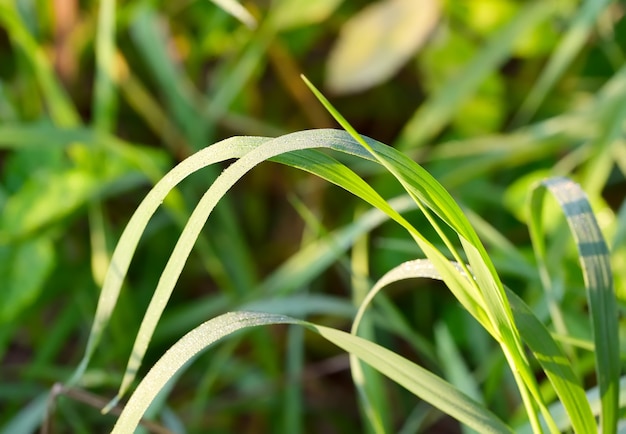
x,y
99,100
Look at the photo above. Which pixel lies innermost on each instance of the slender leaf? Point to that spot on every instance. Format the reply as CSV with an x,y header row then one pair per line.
x,y
595,262
409,375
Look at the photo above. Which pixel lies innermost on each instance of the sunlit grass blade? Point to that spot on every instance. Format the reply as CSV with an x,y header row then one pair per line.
x,y
596,267
127,244
535,335
569,46
409,375
239,147
235,8
482,296
435,113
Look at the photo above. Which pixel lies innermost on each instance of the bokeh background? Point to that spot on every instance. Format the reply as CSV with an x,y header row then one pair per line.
x,y
98,99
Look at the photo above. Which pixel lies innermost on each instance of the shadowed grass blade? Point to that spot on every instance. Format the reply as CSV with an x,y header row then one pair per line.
x,y
596,267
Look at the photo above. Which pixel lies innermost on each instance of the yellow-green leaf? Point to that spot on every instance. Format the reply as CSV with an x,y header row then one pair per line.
x,y
375,43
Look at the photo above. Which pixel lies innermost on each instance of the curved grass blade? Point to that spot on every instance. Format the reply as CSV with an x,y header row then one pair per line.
x,y
535,335
419,381
596,267
484,295
127,244
174,266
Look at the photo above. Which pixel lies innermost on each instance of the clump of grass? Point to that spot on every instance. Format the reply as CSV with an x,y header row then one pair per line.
x,y
540,356
475,284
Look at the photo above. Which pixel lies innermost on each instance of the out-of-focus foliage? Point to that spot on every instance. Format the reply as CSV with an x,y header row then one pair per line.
x,y
99,99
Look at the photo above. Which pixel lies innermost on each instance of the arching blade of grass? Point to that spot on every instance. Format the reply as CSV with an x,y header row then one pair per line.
x,y
596,267
482,296
313,161
125,248
549,355
409,375
248,159
569,46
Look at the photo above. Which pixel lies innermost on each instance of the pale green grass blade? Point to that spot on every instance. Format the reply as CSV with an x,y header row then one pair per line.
x,y
535,335
293,142
409,375
569,46
127,244
482,296
596,267
227,149
235,8
433,115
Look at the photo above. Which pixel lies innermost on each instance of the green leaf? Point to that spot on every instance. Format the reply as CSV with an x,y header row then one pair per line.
x,y
417,380
598,277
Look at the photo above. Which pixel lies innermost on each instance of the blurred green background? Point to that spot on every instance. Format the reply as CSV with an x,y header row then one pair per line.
x,y
99,99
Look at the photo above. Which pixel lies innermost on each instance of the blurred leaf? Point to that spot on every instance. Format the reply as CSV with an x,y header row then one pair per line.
x,y
436,112
44,200
569,47
288,14
24,269
375,43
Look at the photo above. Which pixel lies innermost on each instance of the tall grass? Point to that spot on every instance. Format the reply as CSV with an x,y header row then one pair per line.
x,y
150,274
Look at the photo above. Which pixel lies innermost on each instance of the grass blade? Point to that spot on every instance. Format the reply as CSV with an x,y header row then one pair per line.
x,y
535,335
596,267
409,375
